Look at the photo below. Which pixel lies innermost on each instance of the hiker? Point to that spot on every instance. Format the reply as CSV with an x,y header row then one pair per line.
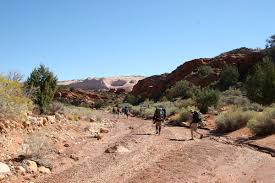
x,y
118,111
126,111
196,119
159,117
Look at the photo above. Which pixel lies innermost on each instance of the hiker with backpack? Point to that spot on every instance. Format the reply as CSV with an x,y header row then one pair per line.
x,y
126,111
159,117
196,119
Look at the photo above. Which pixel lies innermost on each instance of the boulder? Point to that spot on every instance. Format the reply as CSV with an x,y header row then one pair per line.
x,y
45,121
20,170
30,166
98,136
92,119
26,124
4,169
44,170
117,149
59,117
51,119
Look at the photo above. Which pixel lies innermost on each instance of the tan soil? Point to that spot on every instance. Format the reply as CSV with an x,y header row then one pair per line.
x,y
170,157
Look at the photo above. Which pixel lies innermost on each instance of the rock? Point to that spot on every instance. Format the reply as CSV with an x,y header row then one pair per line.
x,y
122,150
51,119
20,170
58,117
45,121
92,119
2,177
153,86
4,169
74,157
30,166
66,145
104,130
98,136
117,149
44,170
26,124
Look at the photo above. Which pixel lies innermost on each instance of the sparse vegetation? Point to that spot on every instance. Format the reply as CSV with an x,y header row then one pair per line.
x,y
55,107
133,100
264,123
36,146
181,90
205,70
13,103
182,116
100,104
45,83
233,119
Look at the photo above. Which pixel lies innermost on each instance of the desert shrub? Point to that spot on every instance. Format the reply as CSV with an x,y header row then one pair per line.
x,y
100,104
55,107
260,83
15,76
233,97
264,123
36,146
182,116
76,113
228,77
184,103
45,83
205,98
13,103
253,107
149,113
136,110
169,106
181,89
232,120
132,99
205,70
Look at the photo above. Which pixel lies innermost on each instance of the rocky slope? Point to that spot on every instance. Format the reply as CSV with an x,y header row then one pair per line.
x,y
123,82
154,86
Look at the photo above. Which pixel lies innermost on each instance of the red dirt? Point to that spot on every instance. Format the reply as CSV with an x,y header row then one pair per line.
x,y
170,157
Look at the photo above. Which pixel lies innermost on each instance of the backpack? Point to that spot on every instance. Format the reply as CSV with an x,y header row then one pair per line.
x,y
126,110
160,114
196,117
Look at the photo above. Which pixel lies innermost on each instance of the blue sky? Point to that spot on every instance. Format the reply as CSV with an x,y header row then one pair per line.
x,y
82,38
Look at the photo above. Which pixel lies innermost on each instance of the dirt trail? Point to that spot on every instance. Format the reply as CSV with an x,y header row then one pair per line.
x,y
170,157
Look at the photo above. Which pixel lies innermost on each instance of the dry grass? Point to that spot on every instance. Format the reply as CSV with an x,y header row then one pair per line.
x,y
233,119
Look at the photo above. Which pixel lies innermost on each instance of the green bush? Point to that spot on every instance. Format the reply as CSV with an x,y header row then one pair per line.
x,y
13,103
100,104
228,77
44,82
181,89
182,116
260,83
264,123
185,103
233,97
233,120
205,98
205,70
132,99
55,107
